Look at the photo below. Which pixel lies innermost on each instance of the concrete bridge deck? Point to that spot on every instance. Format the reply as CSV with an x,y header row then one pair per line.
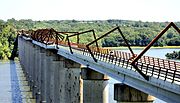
x,y
13,84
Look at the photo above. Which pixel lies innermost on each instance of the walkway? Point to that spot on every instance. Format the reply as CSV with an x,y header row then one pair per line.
x,y
13,84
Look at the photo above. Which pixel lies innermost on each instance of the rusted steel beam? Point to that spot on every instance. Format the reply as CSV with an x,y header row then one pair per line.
x,y
46,36
77,34
67,39
101,36
154,40
125,40
87,46
78,39
70,48
95,41
133,63
175,27
67,33
56,42
62,37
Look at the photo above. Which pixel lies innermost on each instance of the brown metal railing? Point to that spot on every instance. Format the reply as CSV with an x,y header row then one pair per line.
x,y
156,67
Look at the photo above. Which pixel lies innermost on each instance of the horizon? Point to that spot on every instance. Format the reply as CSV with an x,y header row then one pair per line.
x,y
91,20
90,10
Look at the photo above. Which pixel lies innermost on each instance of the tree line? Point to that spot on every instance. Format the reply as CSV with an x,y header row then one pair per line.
x,y
137,33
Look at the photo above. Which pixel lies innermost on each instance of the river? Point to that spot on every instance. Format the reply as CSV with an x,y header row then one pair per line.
x,y
154,52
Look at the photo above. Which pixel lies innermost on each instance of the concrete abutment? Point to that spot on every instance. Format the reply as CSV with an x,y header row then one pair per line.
x,y
126,94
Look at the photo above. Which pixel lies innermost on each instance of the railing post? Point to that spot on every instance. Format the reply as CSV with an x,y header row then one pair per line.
x,y
159,72
166,74
153,67
174,75
116,60
119,61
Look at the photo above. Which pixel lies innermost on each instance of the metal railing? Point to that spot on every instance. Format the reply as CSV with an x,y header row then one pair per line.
x,y
166,70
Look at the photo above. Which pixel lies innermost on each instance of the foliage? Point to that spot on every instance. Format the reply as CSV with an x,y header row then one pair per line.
x,y
174,55
138,33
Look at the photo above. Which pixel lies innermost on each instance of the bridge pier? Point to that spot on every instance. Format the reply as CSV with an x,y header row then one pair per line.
x,y
40,64
49,73
42,97
126,94
60,79
95,86
30,68
35,61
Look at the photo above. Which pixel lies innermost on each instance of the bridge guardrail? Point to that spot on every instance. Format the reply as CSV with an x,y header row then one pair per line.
x,y
159,68
149,66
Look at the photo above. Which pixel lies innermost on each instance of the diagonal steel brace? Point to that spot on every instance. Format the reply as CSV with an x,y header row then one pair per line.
x,y
117,28
133,63
77,34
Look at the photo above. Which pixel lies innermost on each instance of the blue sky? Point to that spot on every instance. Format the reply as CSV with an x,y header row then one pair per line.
x,y
144,10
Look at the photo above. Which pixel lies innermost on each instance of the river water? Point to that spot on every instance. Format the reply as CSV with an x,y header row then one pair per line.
x,y
158,53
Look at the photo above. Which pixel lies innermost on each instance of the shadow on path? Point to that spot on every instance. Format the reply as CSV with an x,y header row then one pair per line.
x,y
15,88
